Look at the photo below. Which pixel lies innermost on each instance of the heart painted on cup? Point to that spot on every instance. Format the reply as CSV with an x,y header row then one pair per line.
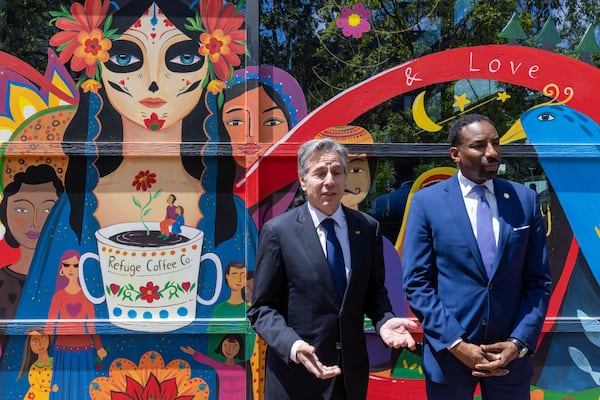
x,y
114,288
186,286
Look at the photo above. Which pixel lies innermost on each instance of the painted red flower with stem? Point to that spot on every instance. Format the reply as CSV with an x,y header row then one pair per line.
x,y
143,181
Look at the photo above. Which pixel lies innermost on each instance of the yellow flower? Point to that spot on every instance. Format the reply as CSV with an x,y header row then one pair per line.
x,y
216,86
91,85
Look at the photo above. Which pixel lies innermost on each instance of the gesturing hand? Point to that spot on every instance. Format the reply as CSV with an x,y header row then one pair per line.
x,y
394,332
308,357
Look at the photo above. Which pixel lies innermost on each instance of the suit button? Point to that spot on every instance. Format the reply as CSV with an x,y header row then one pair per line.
x,y
490,286
484,322
338,346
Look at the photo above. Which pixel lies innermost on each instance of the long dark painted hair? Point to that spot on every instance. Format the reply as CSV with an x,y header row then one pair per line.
x,y
111,131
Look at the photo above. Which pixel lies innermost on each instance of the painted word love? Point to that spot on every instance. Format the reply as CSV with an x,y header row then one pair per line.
x,y
497,65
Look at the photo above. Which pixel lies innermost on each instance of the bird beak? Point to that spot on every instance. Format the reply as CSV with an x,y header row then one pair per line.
x,y
514,133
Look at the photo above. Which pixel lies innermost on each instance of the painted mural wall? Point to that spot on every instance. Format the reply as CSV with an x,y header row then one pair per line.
x,y
136,174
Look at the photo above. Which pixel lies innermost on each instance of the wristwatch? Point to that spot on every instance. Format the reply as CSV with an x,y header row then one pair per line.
x,y
523,350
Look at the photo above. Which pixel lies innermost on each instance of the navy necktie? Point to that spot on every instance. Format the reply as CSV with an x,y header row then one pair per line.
x,y
335,257
485,232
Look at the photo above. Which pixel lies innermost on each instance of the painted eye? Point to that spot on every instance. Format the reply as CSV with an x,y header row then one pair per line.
x,y
185,59
234,122
273,122
124,59
356,170
544,117
21,210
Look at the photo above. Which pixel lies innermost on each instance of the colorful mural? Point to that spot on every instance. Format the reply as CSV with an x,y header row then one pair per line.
x,y
137,171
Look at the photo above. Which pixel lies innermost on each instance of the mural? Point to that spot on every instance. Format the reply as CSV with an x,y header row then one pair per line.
x,y
136,174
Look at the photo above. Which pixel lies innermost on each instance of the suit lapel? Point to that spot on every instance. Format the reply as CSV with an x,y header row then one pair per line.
x,y
307,233
504,199
356,237
456,204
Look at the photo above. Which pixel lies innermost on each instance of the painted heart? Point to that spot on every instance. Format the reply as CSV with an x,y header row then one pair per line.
x,y
153,35
114,288
186,286
73,308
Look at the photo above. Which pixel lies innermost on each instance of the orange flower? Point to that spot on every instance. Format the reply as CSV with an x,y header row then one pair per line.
x,y
223,42
80,40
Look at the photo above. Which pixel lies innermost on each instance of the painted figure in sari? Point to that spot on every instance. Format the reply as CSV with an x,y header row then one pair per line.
x,y
259,109
37,364
152,75
74,354
231,374
26,204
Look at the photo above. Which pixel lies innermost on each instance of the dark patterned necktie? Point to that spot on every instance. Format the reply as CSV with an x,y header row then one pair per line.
x,y
485,232
335,257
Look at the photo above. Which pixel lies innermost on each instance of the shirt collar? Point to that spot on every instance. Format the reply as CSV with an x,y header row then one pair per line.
x,y
318,217
467,185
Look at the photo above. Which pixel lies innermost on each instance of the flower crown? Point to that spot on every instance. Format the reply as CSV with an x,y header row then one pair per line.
x,y
84,43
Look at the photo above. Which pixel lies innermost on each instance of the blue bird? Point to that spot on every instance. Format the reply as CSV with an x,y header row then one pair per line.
x,y
567,143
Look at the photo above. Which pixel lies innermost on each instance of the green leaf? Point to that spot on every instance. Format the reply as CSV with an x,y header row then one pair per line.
x,y
136,202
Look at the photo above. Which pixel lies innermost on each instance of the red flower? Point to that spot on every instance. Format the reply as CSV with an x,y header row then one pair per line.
x,y
154,123
149,292
81,40
165,390
144,180
221,41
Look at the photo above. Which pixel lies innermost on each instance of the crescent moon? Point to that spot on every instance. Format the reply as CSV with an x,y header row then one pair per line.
x,y
420,115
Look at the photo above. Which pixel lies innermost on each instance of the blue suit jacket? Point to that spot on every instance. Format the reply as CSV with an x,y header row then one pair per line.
x,y
294,298
447,286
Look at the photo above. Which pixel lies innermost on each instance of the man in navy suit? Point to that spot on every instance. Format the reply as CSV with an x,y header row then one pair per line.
x,y
315,335
480,324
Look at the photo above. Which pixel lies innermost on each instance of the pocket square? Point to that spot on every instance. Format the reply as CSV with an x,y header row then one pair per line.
x,y
520,228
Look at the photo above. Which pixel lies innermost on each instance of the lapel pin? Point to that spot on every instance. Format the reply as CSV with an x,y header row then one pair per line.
x,y
506,195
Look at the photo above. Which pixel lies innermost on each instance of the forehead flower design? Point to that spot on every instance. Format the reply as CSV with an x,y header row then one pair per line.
x,y
82,42
354,21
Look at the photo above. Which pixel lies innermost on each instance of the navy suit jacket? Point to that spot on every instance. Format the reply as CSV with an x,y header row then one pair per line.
x,y
448,289
294,298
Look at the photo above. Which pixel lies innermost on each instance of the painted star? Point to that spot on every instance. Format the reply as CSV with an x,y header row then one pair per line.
x,y
461,101
503,96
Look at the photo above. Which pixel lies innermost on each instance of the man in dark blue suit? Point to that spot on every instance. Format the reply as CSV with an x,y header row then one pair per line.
x,y
312,322
481,322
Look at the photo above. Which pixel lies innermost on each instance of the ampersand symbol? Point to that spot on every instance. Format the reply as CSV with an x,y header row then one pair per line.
x,y
411,78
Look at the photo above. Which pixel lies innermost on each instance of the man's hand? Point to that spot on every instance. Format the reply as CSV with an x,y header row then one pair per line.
x,y
481,363
498,355
308,357
394,333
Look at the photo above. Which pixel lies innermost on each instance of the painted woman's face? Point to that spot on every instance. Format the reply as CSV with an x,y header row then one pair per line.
x,y
70,268
230,348
27,211
154,74
249,120
39,343
358,182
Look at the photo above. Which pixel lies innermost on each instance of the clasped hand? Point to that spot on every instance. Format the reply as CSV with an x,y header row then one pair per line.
x,y
487,359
